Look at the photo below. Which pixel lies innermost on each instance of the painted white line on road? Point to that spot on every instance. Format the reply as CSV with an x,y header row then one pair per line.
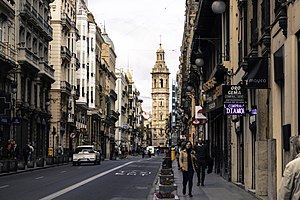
x,y
68,189
3,186
63,172
39,177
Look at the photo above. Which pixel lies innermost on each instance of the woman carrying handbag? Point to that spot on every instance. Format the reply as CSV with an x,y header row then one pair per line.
x,y
188,165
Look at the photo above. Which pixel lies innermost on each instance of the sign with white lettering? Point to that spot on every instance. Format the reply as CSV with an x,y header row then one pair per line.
x,y
234,109
234,99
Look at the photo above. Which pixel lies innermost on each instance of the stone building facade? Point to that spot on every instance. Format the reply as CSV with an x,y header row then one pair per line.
x,y
160,99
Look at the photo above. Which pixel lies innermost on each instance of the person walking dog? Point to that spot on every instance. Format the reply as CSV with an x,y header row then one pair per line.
x,y
188,165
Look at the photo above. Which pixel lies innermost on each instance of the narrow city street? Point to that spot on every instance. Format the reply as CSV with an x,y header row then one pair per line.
x,y
130,178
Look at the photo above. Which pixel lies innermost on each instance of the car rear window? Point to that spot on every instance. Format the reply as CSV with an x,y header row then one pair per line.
x,y
83,149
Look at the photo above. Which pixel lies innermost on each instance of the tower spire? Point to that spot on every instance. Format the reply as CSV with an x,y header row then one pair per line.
x,y
160,41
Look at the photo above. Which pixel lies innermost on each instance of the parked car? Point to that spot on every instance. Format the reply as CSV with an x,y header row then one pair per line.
x,y
86,154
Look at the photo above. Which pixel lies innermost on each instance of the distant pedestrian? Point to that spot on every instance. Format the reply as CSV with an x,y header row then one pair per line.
x,y
26,151
202,155
188,165
31,150
149,153
290,182
15,151
143,153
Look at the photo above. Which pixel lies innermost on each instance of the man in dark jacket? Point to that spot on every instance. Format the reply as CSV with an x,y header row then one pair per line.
x,y
201,154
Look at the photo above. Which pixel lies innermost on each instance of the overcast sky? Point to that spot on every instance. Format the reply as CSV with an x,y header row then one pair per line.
x,y
136,28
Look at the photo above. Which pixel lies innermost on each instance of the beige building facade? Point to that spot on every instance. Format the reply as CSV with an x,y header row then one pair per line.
x,y
160,99
63,57
252,45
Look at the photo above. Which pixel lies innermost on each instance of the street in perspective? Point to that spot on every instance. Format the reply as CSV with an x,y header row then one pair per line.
x,y
149,99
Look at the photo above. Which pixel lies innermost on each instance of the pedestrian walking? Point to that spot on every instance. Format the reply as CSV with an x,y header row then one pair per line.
x,y
143,153
15,150
188,165
26,151
201,155
290,182
31,150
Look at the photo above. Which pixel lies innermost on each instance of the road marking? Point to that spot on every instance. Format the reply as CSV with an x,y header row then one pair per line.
x,y
39,177
63,172
4,186
68,189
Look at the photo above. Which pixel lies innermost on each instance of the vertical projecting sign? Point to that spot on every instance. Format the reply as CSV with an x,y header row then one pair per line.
x,y
234,99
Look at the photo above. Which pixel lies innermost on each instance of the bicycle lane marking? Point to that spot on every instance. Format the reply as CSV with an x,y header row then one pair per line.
x,y
72,187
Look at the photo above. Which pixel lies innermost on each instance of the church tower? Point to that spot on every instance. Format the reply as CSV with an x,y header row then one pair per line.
x,y
160,99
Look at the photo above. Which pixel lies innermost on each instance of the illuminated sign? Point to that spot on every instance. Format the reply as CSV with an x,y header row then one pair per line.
x,y
234,109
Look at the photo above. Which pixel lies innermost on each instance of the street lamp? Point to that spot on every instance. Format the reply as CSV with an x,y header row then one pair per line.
x,y
53,134
218,7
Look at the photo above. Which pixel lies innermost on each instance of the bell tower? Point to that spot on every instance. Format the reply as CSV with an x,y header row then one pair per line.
x,y
160,99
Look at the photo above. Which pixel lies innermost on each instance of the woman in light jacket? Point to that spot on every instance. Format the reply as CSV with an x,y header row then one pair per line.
x,y
188,165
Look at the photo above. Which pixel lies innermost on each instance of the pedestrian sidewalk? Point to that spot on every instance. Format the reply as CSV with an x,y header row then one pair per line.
x,y
215,188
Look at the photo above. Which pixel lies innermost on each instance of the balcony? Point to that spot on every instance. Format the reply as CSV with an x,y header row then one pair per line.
x,y
76,30
113,95
7,54
66,21
27,57
114,115
75,61
75,92
25,9
47,71
65,87
48,31
65,53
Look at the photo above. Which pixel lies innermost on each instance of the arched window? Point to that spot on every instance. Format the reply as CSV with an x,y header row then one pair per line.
x,y
154,83
28,40
161,83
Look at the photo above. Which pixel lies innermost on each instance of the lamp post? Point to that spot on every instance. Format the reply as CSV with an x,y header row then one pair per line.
x,y
53,135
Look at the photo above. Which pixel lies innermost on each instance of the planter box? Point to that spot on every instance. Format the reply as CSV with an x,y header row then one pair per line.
x,y
30,164
167,188
13,165
21,165
49,160
9,165
40,162
55,160
167,171
166,176
164,197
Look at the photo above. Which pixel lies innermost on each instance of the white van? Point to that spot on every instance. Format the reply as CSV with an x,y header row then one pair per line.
x,y
151,149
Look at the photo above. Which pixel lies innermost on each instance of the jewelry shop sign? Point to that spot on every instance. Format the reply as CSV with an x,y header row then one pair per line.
x,y
234,99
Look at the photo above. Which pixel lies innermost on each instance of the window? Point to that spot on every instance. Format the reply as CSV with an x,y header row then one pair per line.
x,y
78,84
92,95
1,28
82,89
161,83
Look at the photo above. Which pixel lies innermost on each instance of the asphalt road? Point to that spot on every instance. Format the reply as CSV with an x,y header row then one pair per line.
x,y
124,179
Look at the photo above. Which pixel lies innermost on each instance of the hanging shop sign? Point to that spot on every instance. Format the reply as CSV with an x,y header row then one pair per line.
x,y
256,76
234,99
